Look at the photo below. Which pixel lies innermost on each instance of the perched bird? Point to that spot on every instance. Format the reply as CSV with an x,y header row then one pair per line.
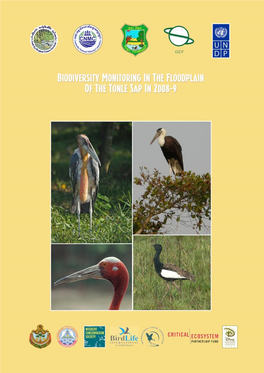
x,y
111,269
84,176
171,150
169,272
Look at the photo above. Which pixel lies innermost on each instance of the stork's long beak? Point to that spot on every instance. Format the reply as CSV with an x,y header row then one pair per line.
x,y
89,149
154,138
84,274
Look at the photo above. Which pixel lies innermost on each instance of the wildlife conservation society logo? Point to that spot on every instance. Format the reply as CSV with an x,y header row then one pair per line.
x,y
67,336
94,336
43,39
134,40
87,39
229,336
178,35
152,337
40,337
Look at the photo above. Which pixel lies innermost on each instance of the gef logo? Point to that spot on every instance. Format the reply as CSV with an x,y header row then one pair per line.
x,y
221,40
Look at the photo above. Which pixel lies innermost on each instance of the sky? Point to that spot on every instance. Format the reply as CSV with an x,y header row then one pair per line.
x,y
195,140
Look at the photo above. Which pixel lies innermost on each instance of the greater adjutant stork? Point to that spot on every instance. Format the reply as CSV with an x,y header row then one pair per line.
x,y
169,272
84,176
111,269
171,149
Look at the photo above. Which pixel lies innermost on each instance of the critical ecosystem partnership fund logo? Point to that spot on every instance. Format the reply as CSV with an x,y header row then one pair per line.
x,y
221,40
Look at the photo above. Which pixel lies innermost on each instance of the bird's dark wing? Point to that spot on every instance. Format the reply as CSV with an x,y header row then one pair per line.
x,y
95,171
73,173
173,150
180,271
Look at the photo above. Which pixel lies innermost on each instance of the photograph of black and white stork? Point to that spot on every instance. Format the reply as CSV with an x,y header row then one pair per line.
x,y
92,294
84,176
165,198
171,150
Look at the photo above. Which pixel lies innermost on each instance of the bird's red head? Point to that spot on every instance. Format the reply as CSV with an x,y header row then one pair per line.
x,y
113,270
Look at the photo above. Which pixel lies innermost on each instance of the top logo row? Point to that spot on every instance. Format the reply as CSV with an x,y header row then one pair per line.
x,y
88,39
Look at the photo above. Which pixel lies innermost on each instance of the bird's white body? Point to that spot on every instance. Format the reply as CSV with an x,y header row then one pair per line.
x,y
171,274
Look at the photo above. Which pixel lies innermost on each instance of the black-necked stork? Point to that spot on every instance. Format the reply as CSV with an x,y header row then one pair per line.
x,y
171,149
84,176
111,269
170,272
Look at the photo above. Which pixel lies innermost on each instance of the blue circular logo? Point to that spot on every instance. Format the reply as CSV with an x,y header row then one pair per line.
x,y
43,39
87,39
221,32
67,336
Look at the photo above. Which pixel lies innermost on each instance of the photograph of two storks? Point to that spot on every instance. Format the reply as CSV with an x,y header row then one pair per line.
x,y
92,197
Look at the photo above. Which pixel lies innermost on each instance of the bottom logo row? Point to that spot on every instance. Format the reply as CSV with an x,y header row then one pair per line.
x,y
94,336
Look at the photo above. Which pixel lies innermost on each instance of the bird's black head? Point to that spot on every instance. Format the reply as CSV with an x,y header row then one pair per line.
x,y
158,248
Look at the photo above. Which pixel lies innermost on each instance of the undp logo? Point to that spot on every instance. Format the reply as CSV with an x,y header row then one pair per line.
x,y
221,40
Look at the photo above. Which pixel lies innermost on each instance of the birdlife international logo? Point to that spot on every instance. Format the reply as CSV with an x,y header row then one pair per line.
x,y
87,39
178,36
135,40
67,336
152,337
40,337
43,39
124,336
229,336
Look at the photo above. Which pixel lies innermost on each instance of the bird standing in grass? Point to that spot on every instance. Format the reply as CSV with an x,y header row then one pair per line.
x,y
169,272
171,150
84,176
111,269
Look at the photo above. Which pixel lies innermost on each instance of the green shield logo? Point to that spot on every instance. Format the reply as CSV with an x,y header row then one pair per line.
x,y
135,40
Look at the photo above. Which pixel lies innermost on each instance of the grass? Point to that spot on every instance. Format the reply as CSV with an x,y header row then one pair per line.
x,y
112,218
191,253
112,226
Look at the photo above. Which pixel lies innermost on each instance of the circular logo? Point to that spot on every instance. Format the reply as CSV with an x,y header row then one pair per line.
x,y
87,39
221,32
178,35
67,336
43,39
152,337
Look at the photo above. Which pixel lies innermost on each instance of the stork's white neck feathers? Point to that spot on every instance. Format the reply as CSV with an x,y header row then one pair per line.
x,y
162,137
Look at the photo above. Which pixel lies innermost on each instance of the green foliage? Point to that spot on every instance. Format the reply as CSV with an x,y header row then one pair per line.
x,y
112,215
191,253
166,199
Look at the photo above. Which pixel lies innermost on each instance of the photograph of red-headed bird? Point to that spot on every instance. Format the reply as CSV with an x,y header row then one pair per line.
x,y
91,294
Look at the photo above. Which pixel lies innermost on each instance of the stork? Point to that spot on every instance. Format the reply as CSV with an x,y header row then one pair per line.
x,y
171,150
84,176
111,269
169,272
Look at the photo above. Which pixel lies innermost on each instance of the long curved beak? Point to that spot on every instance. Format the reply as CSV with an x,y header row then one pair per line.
x,y
154,138
89,149
84,274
